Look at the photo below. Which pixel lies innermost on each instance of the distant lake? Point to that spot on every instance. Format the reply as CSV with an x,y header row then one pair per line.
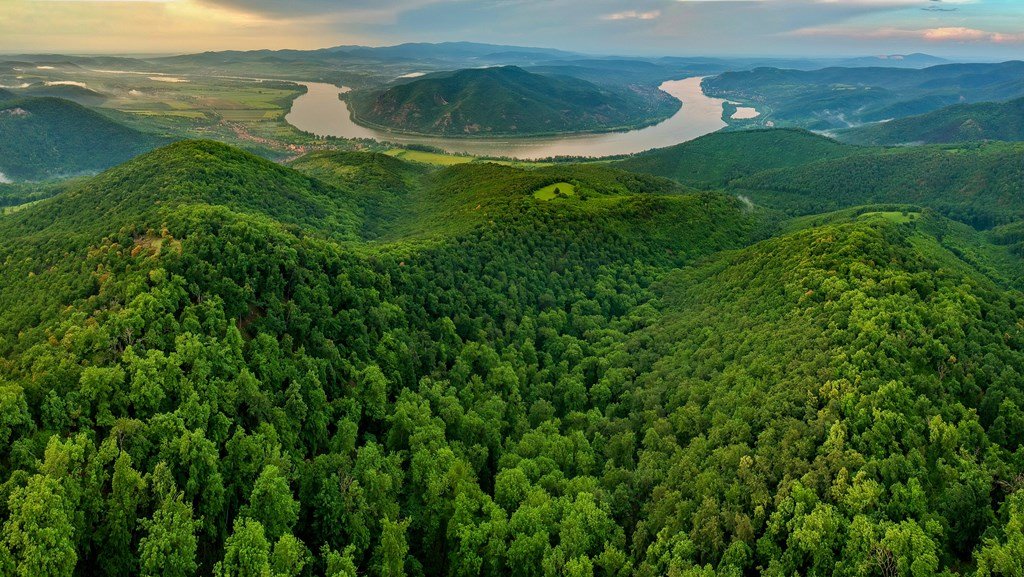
x,y
320,111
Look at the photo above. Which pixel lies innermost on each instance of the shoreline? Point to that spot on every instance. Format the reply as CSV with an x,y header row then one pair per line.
x,y
323,111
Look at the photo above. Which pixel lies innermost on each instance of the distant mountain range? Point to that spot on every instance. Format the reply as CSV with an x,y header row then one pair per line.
x,y
378,63
916,60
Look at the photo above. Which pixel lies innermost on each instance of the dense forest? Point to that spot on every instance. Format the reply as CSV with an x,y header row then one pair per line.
x,y
801,173
958,123
355,365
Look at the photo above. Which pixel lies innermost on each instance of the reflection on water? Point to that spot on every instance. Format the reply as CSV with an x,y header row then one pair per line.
x,y
321,112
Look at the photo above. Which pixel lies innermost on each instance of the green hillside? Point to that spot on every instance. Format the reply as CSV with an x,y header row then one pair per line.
x,y
402,200
48,137
720,157
507,101
977,184
800,173
800,389
211,364
959,123
836,98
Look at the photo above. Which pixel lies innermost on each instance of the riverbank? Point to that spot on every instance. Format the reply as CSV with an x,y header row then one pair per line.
x,y
322,111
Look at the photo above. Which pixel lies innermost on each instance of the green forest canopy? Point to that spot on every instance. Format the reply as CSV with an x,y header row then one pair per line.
x,y
213,365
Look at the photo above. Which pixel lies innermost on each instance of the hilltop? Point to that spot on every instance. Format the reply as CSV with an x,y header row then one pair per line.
x,y
507,101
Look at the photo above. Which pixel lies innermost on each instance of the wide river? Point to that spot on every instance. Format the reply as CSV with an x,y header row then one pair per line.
x,y
320,111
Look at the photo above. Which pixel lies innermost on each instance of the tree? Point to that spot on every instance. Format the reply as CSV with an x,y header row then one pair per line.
x,y
393,548
272,503
127,493
39,534
246,551
1005,558
288,557
339,564
168,548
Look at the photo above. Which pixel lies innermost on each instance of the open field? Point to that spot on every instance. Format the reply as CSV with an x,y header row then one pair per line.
x,y
556,190
896,217
187,104
434,158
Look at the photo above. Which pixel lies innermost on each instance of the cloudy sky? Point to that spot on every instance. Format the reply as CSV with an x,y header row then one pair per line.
x,y
984,29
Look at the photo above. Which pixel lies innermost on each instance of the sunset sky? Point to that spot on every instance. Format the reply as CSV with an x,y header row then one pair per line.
x,y
983,29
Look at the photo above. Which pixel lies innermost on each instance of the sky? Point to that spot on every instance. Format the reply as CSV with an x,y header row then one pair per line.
x,y
977,29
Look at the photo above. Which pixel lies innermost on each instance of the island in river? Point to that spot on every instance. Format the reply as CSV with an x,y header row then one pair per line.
x,y
323,112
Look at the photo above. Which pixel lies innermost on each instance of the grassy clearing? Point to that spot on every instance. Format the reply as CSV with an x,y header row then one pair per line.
x,y
555,190
434,158
897,217
443,159
4,211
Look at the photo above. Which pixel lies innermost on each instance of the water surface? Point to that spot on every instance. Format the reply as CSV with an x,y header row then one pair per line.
x,y
320,111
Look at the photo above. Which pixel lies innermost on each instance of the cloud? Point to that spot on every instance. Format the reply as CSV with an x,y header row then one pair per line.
x,y
378,8
960,34
950,34
955,34
632,15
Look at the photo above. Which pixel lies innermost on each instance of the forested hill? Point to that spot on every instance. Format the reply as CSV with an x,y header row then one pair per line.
x,y
979,184
958,123
801,173
716,159
49,137
213,365
510,101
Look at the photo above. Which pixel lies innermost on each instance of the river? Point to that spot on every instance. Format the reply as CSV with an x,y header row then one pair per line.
x,y
320,111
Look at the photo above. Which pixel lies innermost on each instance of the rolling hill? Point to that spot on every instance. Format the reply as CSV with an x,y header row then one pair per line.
x,y
801,173
506,101
357,365
44,138
718,158
957,123
979,185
